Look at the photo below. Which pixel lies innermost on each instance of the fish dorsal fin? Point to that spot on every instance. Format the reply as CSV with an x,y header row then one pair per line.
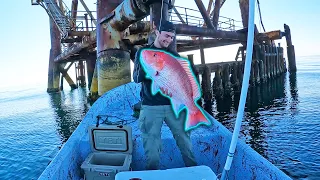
x,y
196,93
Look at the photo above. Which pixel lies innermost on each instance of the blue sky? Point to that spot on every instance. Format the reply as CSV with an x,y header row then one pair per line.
x,y
25,34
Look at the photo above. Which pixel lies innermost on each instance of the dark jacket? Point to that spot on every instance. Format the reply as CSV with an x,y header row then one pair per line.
x,y
139,75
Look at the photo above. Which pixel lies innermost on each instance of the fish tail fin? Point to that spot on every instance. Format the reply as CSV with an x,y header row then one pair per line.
x,y
195,119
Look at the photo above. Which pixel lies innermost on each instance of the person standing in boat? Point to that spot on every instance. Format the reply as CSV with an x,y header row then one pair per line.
x,y
157,108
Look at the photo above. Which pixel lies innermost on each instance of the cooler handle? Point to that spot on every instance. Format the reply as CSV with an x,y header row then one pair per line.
x,y
103,170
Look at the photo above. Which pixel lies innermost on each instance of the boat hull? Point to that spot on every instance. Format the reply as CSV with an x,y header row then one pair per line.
x,y
210,144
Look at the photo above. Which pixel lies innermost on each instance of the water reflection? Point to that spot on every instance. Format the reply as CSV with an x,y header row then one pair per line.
x,y
69,107
267,97
294,93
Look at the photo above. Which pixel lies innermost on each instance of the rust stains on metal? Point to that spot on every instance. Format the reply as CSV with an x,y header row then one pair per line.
x,y
140,26
53,71
137,39
113,69
86,42
111,37
74,8
104,7
113,63
128,12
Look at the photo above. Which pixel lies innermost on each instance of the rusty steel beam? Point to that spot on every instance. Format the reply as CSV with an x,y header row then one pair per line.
x,y
91,63
76,48
79,33
184,48
244,9
53,71
204,13
209,7
274,35
113,61
183,29
171,6
136,11
186,42
82,56
155,16
71,40
137,39
208,12
104,8
139,27
127,13
65,74
178,14
155,11
216,13
81,74
61,5
196,31
86,21
74,9
142,38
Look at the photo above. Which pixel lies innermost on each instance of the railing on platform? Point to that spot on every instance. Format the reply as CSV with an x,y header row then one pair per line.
x,y
193,17
63,18
83,22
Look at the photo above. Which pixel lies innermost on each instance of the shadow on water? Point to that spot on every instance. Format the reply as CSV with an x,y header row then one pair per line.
x,y
69,109
268,97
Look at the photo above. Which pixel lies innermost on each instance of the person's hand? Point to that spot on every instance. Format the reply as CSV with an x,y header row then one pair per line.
x,y
165,91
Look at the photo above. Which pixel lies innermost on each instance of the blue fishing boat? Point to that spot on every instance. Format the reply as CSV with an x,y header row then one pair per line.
x,y
107,143
210,144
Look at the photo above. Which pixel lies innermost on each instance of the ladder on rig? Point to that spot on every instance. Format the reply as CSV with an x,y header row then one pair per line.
x,y
61,19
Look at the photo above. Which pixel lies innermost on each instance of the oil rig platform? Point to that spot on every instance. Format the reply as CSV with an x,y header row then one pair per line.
x,y
101,43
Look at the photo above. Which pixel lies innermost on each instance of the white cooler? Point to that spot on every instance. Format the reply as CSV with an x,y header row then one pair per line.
x,y
187,173
111,152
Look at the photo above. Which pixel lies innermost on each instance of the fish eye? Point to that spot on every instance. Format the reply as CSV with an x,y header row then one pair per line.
x,y
154,55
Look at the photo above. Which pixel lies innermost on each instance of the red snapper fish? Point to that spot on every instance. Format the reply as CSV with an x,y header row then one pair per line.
x,y
173,77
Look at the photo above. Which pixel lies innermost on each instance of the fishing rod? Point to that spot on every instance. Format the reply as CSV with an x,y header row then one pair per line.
x,y
244,90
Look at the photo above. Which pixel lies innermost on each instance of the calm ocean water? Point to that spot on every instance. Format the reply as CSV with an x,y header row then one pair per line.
x,y
281,123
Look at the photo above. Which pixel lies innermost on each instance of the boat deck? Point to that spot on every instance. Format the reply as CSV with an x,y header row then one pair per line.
x,y
210,144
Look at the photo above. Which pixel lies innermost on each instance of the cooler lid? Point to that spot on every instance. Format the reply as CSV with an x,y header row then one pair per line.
x,y
111,138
